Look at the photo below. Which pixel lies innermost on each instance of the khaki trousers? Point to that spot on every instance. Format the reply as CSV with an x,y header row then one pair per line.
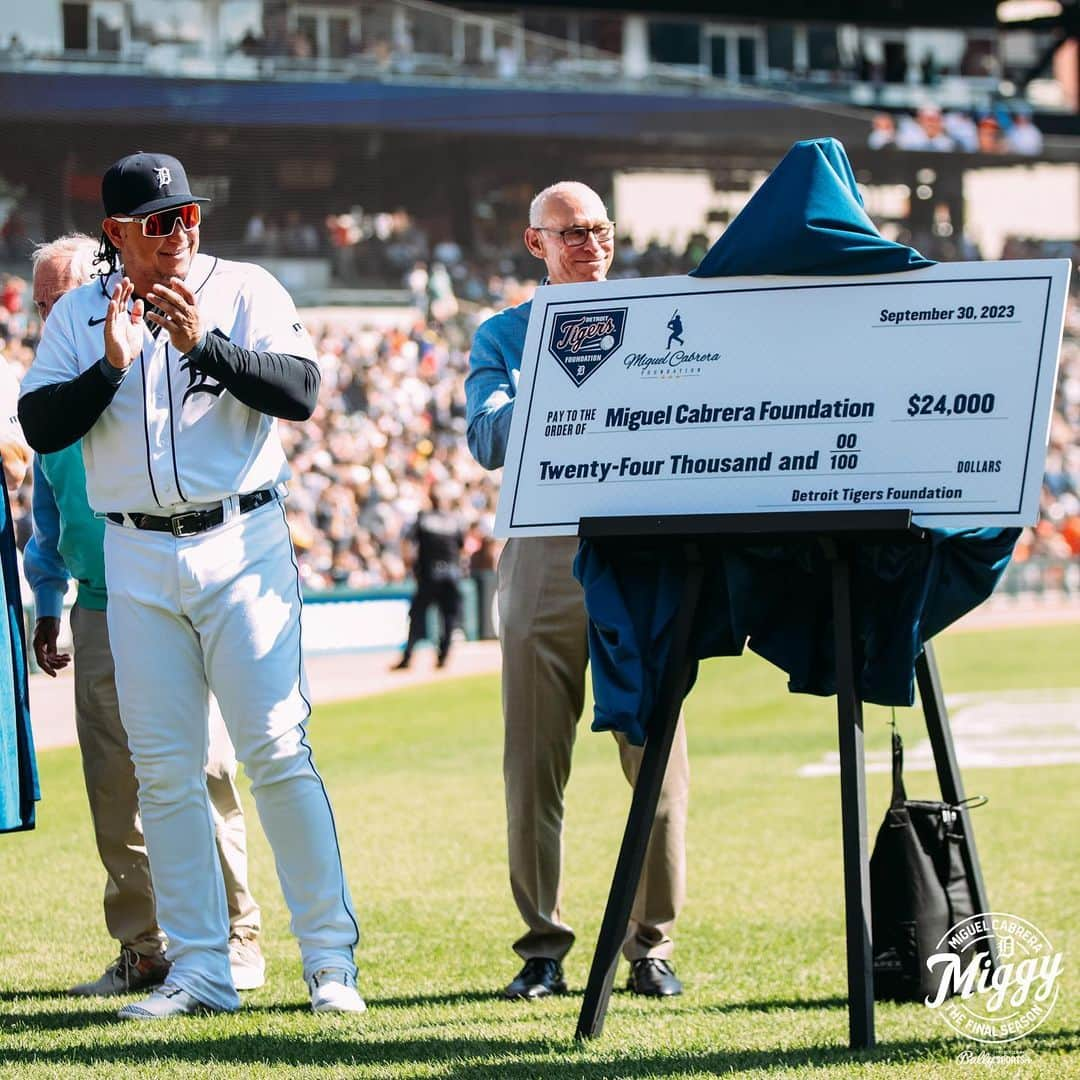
x,y
113,792
542,629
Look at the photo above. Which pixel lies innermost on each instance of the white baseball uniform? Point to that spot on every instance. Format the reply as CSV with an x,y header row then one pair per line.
x,y
217,608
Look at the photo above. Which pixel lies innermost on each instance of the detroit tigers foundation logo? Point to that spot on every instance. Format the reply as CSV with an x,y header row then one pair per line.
x,y
582,340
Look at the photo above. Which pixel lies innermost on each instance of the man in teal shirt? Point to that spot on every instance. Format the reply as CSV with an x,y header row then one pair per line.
x,y
68,542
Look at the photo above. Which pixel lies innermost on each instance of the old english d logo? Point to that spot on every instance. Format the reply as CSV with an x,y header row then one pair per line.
x,y
582,340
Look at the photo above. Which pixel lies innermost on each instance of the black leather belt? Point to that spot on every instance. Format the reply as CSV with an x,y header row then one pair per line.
x,y
194,521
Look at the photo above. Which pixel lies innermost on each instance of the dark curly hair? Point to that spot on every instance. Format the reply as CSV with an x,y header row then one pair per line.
x,y
108,255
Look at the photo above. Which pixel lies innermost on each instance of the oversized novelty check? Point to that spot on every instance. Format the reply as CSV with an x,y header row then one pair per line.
x,y
929,390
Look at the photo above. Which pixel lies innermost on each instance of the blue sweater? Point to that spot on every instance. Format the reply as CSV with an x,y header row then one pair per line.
x,y
491,385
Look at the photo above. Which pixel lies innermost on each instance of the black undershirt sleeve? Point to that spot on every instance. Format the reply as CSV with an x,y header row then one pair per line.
x,y
57,415
278,384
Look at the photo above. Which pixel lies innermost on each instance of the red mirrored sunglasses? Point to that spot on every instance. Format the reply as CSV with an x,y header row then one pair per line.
x,y
163,222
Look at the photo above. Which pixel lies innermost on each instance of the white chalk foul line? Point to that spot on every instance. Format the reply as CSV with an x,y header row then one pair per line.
x,y
1009,729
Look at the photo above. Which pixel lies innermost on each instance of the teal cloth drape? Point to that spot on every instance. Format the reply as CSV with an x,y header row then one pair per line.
x,y
807,218
19,789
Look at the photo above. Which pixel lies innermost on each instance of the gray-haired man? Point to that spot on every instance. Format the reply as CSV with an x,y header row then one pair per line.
x,y
542,630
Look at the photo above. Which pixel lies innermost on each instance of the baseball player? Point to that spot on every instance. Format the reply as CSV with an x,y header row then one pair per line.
x,y
173,368
66,536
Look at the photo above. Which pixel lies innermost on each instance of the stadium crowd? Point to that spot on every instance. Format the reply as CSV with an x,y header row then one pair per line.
x,y
391,247
998,132
390,425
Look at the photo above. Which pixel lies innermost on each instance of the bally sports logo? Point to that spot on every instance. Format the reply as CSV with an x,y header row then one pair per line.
x,y
582,340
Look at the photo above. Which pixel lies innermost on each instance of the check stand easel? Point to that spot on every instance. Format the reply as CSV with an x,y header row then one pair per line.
x,y
839,533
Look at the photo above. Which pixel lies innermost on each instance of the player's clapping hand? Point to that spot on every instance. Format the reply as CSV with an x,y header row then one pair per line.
x,y
180,314
123,328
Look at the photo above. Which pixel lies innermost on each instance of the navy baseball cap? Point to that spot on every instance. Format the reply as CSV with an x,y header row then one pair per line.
x,y
142,183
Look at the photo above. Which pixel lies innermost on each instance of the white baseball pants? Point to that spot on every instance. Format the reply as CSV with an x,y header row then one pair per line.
x,y
221,610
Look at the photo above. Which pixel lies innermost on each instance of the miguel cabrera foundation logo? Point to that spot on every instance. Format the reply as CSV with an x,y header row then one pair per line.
x,y
676,360
988,1002
582,340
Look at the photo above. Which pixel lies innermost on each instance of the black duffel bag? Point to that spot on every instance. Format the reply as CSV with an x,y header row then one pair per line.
x,y
919,889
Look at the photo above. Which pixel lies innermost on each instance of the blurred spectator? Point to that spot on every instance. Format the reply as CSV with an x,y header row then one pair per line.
x,y
440,290
299,236
14,49
344,234
403,46
382,54
416,281
930,120
962,130
250,44
481,550
300,46
1023,137
989,135
447,252
883,133
13,235
930,69
12,292
506,62
910,134
255,234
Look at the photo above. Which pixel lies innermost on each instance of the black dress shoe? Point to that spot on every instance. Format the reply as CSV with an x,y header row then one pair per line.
x,y
652,977
540,977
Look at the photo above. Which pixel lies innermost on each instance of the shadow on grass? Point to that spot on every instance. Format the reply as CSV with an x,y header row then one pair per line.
x,y
775,1005
33,995
505,1059
462,997
61,1020
104,1012
63,1016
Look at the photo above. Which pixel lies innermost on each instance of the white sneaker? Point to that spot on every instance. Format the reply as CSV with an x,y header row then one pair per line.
x,y
334,990
247,964
164,1001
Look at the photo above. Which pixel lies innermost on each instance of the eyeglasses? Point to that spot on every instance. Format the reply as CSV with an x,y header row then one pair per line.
x,y
576,235
163,222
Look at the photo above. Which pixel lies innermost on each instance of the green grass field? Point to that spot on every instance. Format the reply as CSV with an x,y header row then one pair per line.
x,y
416,781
